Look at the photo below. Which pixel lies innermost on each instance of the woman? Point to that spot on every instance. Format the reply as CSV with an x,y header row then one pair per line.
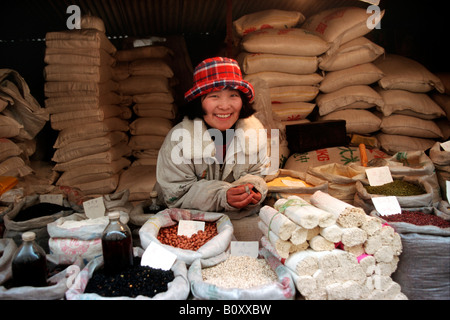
x,y
207,161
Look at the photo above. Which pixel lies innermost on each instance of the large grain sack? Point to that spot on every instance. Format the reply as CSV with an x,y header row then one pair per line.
x,y
363,74
414,104
91,115
393,143
443,100
139,180
445,78
81,56
153,97
358,51
106,157
151,126
398,124
252,63
59,72
292,41
90,146
143,53
292,111
92,22
99,187
279,79
54,89
159,110
9,127
293,93
407,74
70,103
150,66
79,38
267,19
15,167
340,25
144,141
8,149
352,97
356,120
144,84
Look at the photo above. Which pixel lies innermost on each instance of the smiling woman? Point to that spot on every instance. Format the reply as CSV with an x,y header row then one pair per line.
x,y
217,165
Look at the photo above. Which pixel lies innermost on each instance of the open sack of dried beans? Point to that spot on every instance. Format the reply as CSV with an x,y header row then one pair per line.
x,y
242,277
209,246
133,283
424,267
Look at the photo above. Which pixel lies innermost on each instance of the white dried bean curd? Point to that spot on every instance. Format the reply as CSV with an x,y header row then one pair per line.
x,y
241,272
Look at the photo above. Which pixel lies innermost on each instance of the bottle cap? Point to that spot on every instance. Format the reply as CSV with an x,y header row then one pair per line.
x,y
154,194
114,215
28,236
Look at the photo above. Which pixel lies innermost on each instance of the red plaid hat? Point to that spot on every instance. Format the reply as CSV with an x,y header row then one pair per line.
x,y
215,74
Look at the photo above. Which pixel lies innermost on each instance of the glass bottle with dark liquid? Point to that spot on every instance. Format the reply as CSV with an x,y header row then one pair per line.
x,y
29,265
117,245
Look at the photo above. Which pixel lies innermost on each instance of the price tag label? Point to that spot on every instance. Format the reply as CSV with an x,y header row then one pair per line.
x,y
94,208
158,257
189,227
244,248
51,198
379,176
447,187
387,205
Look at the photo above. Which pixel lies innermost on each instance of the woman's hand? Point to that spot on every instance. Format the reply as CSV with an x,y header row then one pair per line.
x,y
243,195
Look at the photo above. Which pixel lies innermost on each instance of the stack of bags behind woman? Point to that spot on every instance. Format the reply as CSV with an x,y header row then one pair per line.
x,y
82,100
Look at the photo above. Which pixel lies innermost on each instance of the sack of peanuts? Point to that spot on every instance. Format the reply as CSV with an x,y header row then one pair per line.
x,y
208,245
242,277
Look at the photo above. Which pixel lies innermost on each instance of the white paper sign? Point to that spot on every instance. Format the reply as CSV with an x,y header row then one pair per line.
x,y
94,208
446,145
447,187
158,257
244,248
51,198
379,175
190,227
387,205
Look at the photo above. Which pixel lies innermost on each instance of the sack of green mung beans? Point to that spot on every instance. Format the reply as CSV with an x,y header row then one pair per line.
x,y
242,277
410,191
208,245
92,284
425,236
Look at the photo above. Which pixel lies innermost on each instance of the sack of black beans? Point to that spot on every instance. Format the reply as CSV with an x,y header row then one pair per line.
x,y
242,277
30,214
410,191
134,283
209,246
425,236
61,273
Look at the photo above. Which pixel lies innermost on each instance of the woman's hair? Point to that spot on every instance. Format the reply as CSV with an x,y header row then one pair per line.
x,y
194,109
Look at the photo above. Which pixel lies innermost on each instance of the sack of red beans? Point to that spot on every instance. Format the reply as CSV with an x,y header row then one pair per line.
x,y
208,245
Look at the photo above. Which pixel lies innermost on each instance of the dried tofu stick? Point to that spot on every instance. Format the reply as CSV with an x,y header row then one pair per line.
x,y
299,247
299,235
277,222
352,218
319,243
353,236
302,216
332,233
282,247
324,201
371,225
303,263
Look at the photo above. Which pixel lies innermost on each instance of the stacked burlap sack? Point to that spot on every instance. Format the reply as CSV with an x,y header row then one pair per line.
x,y
145,75
443,100
274,48
441,161
333,250
21,119
348,69
84,106
408,113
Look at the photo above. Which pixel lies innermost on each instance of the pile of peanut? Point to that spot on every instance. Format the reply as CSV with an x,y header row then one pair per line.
x,y
169,236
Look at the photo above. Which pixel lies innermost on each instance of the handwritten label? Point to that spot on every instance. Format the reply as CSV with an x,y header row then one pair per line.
x,y
244,248
158,257
379,176
189,227
94,208
51,198
386,205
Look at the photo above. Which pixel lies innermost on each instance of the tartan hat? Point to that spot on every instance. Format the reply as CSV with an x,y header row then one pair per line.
x,y
215,74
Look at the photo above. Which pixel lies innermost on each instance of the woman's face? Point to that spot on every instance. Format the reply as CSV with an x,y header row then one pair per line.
x,y
222,108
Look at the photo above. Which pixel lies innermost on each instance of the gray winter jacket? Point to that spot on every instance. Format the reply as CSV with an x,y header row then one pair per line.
x,y
189,175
